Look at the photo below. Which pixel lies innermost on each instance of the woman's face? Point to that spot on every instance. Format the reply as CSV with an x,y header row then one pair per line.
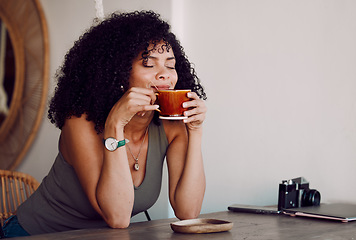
x,y
156,69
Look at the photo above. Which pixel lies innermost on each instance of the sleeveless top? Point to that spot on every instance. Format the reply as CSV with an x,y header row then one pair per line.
x,y
60,204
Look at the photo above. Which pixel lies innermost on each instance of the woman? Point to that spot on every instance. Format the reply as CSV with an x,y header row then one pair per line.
x,y
106,90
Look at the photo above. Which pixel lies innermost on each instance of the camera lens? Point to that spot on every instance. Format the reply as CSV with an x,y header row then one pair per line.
x,y
311,197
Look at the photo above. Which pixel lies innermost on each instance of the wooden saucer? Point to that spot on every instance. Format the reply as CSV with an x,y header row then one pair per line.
x,y
201,225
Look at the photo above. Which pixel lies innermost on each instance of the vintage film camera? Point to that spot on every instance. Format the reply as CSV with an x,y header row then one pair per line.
x,y
295,193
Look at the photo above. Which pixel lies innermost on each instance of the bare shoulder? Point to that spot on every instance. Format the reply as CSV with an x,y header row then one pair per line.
x,y
78,127
75,122
78,133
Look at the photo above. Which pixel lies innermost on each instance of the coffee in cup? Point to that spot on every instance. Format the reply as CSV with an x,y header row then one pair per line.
x,y
170,103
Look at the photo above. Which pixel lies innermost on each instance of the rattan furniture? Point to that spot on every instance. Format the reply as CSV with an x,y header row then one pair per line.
x,y
16,187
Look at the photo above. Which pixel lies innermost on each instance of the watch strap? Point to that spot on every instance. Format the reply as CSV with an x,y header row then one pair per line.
x,y
119,143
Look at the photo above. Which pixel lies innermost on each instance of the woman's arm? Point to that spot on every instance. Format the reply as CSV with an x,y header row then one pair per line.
x,y
105,176
185,162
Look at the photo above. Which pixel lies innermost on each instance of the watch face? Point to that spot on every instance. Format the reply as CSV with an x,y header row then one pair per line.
x,y
111,144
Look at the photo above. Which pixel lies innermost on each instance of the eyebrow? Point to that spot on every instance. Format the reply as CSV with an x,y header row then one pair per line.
x,y
170,58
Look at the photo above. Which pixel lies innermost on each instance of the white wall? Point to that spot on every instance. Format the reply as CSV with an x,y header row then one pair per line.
x,y
282,96
281,82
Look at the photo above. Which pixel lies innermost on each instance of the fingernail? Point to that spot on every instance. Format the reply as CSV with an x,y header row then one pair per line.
x,y
184,105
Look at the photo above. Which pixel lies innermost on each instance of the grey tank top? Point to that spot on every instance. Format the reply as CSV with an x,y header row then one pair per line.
x,y
60,204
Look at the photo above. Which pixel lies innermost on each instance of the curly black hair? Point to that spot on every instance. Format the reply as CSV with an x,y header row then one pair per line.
x,y
97,68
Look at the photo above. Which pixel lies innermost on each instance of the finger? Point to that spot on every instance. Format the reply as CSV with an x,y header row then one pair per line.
x,y
139,107
145,91
190,104
196,112
149,107
138,102
191,112
195,119
140,98
193,95
198,105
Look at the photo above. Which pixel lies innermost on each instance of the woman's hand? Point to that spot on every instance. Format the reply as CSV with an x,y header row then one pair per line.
x,y
185,160
134,101
195,113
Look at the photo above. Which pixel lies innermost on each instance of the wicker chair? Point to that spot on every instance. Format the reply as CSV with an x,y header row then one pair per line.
x,y
15,188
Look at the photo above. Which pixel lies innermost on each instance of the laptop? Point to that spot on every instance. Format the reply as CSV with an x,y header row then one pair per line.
x,y
253,209
344,212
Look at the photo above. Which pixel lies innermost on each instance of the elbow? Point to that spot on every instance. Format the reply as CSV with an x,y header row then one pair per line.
x,y
184,211
118,224
187,214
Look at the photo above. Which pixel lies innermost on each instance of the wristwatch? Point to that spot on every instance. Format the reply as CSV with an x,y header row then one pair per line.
x,y
112,144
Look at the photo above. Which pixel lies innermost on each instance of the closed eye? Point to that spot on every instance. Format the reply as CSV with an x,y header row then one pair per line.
x,y
148,62
171,63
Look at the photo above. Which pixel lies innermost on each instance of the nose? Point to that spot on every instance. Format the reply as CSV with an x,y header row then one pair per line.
x,y
163,74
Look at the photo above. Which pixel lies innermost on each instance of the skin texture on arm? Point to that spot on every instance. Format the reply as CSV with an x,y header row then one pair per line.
x,y
185,161
114,200
105,176
99,171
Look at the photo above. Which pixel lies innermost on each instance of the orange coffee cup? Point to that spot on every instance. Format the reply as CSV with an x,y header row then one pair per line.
x,y
170,103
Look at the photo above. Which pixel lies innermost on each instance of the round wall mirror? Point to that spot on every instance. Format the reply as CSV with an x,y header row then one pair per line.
x,y
24,64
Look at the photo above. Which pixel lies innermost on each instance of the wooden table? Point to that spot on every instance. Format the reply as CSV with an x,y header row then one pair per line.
x,y
246,226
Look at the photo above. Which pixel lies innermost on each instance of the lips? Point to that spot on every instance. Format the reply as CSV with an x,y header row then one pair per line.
x,y
162,87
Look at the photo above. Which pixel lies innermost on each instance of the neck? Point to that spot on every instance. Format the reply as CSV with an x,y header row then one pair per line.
x,y
136,128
